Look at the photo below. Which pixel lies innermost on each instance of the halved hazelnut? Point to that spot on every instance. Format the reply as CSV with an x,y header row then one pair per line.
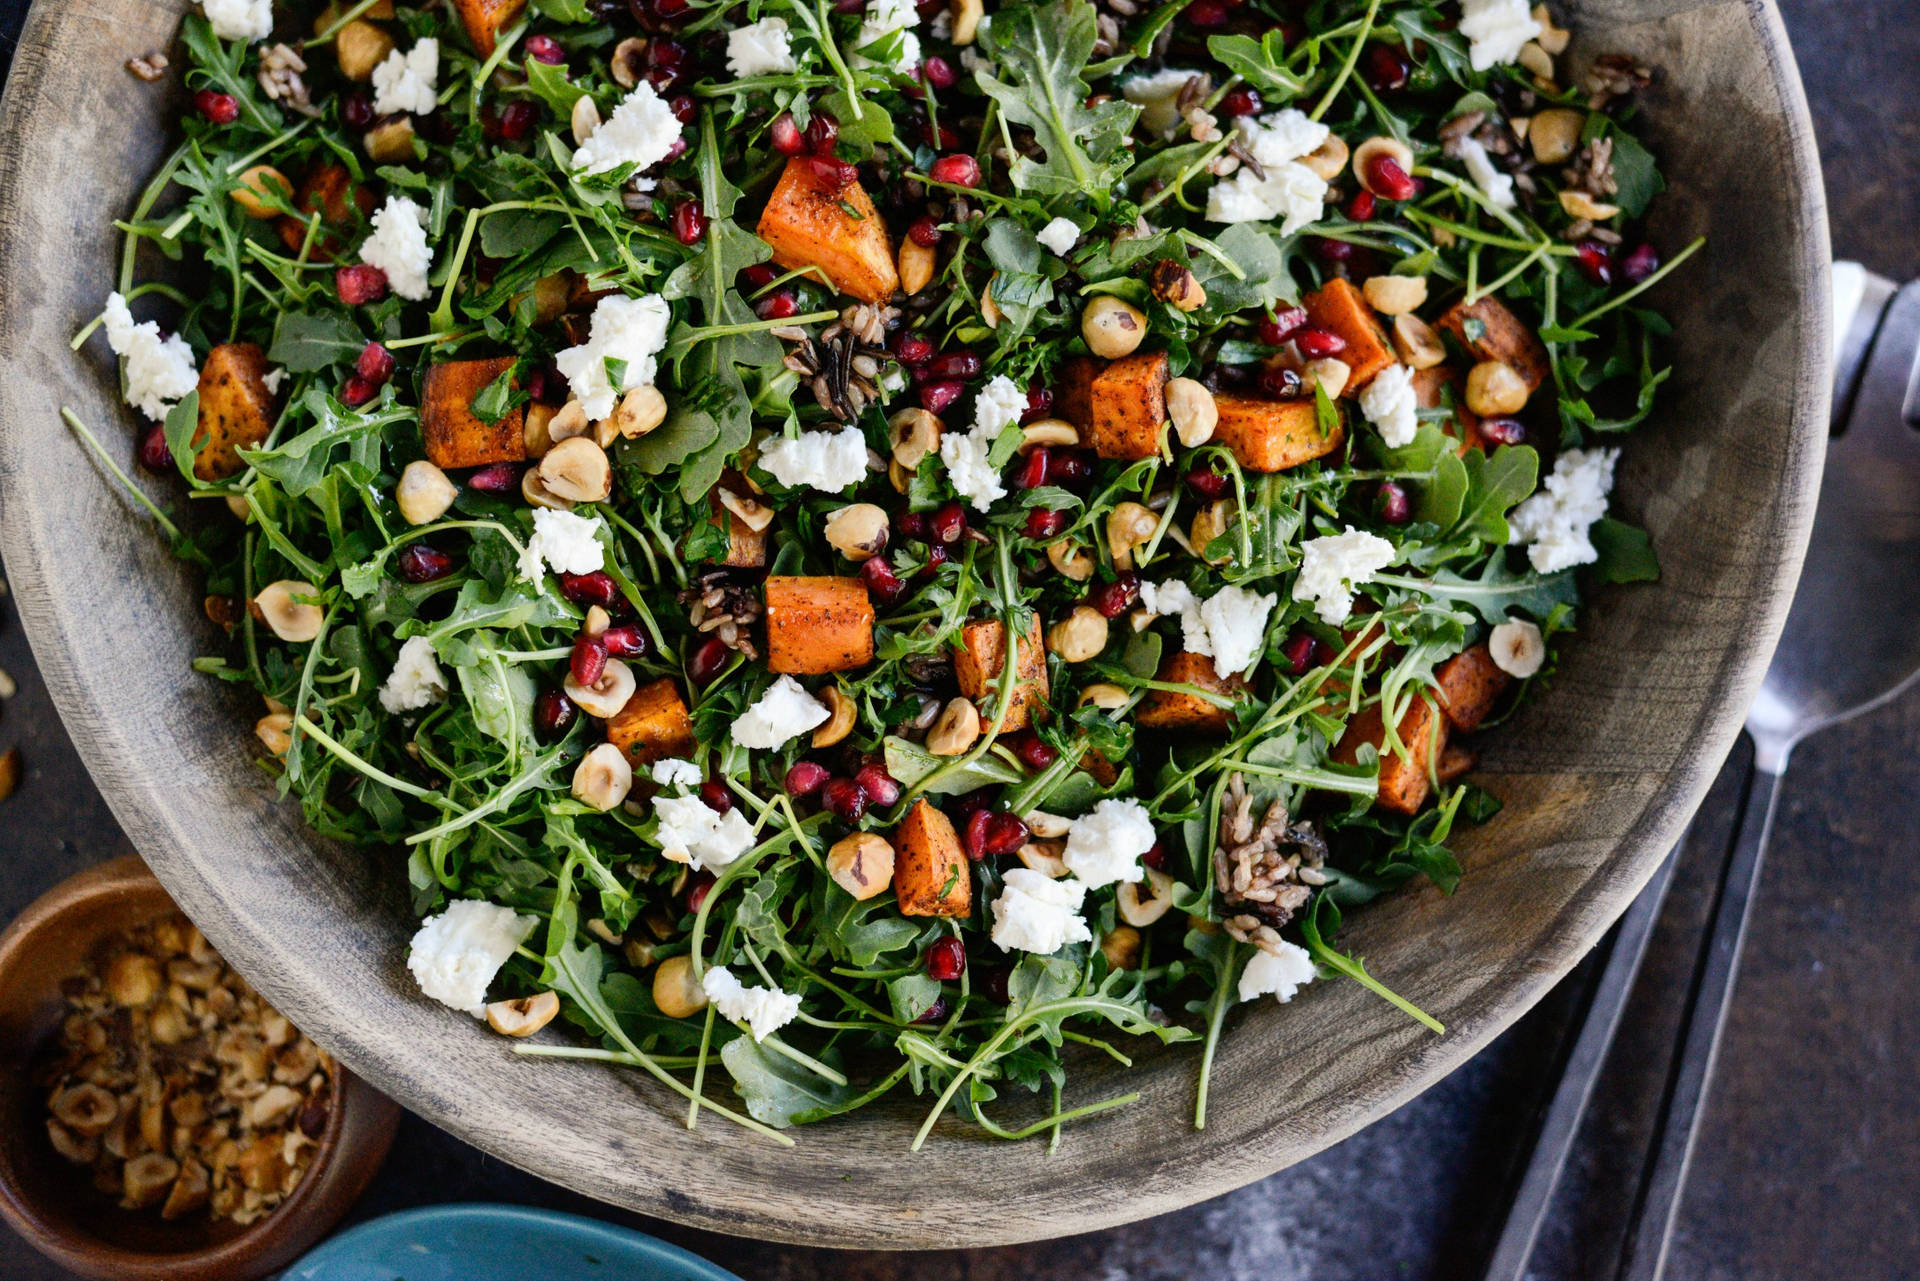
x,y
288,607
1327,160
861,864
966,15
1079,636
85,1109
1121,947
535,491
914,434
1045,858
1415,342
1329,374
1193,411
857,531
1128,526
1395,295
1052,432
957,728
676,992
1070,560
1579,204
606,696
536,429
842,712
1104,695
256,185
1209,523
568,421
640,411
1144,902
145,1179
524,1015
916,263
585,118
624,66
1380,145
577,469
1048,827
424,493
76,1148
275,732
603,777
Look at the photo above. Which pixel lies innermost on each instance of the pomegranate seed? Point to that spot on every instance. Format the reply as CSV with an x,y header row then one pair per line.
x,y
625,641
357,391
375,363
833,174
1298,652
882,583
1039,404
589,660
1241,102
974,835
1117,597
545,385
689,222
785,135
1069,467
220,108
1640,263
553,714
715,796
935,1012
942,138
1502,431
1033,469
1392,503
1316,343
881,787
666,54
1155,857
360,283
670,9
843,798
822,132
1595,261
1281,383
1323,653
419,563
546,49
806,778
1282,326
1208,483
911,349
152,452
946,959
777,305
1329,250
1387,68
496,478
937,555
516,120
1361,207
699,885
911,525
994,983
938,396
958,171
954,364
1006,833
948,524
924,232
708,660
675,150
757,277
1044,523
597,588
939,73
356,110
980,798
1207,13
1387,178
1034,752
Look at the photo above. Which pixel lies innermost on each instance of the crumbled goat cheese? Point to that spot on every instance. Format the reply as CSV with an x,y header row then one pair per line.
x,y
273,378
882,19
247,20
397,245
1170,597
627,331
640,132
1497,187
1104,845
1332,566
1390,405
675,772
998,406
1495,30
455,955
941,28
1059,236
763,48
1517,647
408,81
1038,914
1156,96
691,832
416,680
824,460
972,61
783,713
968,455
564,542
1282,974
1289,192
765,1010
1558,519
1230,627
159,370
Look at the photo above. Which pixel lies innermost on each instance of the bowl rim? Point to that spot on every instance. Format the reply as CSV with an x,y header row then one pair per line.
x,y
360,1126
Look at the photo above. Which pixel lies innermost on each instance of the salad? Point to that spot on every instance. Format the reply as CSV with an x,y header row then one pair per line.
x,y
858,551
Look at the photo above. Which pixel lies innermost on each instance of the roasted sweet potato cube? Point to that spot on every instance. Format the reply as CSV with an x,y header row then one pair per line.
x,y
1129,407
236,409
1491,332
1404,783
485,19
653,725
454,436
818,625
1455,763
832,230
1073,391
930,873
746,546
1470,684
330,191
1183,713
1273,435
1436,386
1340,307
981,657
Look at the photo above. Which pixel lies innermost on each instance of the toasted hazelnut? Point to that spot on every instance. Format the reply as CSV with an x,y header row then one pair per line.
x,y
603,777
751,512
1329,374
1395,295
606,696
842,712
1537,61
989,309
77,1148
966,16
1113,327
577,469
275,732
675,991
1208,524
1494,388
133,980
523,1016
273,1106
1555,134
1128,526
1415,342
145,1179
957,728
1079,636
169,1024
1070,560
857,531
625,63
1327,160
597,621
899,477
424,493
360,46
1380,145
640,411
1052,432
188,1193
1579,204
1144,902
1045,858
1121,947
535,429
255,186
1518,648
287,607
1105,696
1553,39
85,1109
914,434
535,491
585,119
1174,284
1193,411
391,141
861,864
916,264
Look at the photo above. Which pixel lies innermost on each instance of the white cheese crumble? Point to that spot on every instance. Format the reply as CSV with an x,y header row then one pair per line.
x,y
1230,627
763,48
882,19
1495,30
692,832
1156,97
823,460
1333,565
1104,845
1517,647
765,1010
998,406
1390,405
1497,187
273,378
782,714
564,542
1037,914
455,955
1558,519
247,20
627,331
1059,236
1289,193
159,370
641,131
1281,975
397,245
676,772
1170,597
416,681
967,455
408,81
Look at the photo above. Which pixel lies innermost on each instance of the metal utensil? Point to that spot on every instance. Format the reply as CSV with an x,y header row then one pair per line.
x,y
1849,645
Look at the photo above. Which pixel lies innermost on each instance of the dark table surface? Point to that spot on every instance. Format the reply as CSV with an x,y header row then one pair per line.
x,y
1809,1160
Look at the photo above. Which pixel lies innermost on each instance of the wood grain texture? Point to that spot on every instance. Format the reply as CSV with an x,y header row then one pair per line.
x,y
1598,779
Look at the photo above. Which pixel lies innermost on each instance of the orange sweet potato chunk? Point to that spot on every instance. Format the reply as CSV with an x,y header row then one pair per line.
x,y
485,19
1073,391
836,233
1129,407
930,874
653,725
1272,435
1340,307
330,191
981,657
236,409
817,625
1404,784
1431,387
1470,684
1182,713
1455,764
454,436
1498,334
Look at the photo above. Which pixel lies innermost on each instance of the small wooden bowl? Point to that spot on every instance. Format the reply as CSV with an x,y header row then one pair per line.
x,y
54,1206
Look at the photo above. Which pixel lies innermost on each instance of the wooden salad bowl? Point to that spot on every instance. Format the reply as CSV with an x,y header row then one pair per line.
x,y
1598,778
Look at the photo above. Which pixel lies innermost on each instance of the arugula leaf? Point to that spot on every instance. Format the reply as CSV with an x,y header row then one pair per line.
x,y
1494,486
181,426
777,1090
307,341
1626,553
910,763
1636,172
1499,590
1041,49
1261,63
